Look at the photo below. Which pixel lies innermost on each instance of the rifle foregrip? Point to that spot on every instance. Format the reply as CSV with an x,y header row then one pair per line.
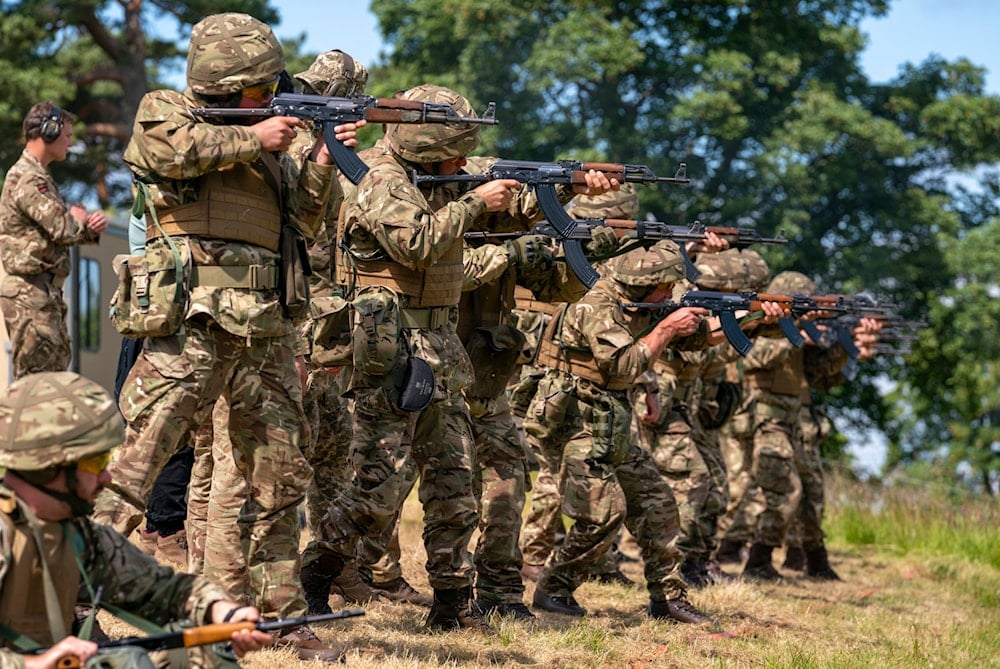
x,y
206,634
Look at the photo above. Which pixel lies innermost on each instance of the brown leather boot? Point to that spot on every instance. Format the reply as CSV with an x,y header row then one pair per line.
x,y
308,646
758,566
453,610
348,586
818,565
679,609
399,590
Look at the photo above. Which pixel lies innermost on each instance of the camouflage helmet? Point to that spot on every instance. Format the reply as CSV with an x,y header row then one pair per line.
x,y
732,270
622,203
230,52
792,283
433,143
52,419
335,73
660,263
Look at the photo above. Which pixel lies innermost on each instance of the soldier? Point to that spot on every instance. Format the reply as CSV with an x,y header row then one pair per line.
x,y
37,229
595,351
57,430
776,373
233,336
405,246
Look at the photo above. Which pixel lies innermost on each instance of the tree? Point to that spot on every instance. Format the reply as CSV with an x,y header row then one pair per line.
x,y
764,100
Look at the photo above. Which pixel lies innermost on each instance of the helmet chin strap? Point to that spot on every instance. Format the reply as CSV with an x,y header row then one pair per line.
x,y
77,505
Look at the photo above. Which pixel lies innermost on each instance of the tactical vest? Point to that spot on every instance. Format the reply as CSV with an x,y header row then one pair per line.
x,y
22,604
525,299
784,379
238,202
486,306
439,285
580,363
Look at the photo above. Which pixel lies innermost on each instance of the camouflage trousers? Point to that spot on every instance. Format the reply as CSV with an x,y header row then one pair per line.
x,y
35,315
805,530
746,501
599,497
543,527
697,476
775,443
385,444
501,481
216,495
170,391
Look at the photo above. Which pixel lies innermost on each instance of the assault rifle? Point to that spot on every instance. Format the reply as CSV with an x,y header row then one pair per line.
x,y
543,177
644,231
326,113
202,635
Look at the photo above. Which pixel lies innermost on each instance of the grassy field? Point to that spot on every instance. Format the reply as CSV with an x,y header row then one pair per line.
x,y
921,589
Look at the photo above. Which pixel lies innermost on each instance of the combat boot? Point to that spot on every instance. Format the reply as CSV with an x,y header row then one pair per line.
x,y
818,565
452,610
348,586
173,548
317,578
308,646
795,559
568,606
515,610
758,566
695,573
399,590
729,552
680,610
615,577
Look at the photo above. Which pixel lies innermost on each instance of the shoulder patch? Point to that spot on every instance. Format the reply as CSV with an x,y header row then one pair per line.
x,y
42,187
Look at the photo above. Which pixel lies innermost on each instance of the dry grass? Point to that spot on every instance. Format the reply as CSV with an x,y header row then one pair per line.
x,y
891,611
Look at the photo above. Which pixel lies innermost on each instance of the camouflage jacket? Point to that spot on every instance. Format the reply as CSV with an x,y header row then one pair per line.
x,y
36,229
170,150
129,578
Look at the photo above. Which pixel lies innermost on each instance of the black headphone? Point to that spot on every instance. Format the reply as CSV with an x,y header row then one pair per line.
x,y
52,125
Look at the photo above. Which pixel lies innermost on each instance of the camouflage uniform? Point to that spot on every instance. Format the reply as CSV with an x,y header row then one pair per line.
x,y
606,478
82,557
235,340
36,233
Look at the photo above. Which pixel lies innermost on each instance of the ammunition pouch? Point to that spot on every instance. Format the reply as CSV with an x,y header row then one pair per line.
x,y
151,297
611,429
293,277
330,335
547,410
494,352
375,334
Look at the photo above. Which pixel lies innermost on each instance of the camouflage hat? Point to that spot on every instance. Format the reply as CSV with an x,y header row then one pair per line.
x,y
230,52
792,283
335,73
660,263
51,419
433,143
732,270
622,203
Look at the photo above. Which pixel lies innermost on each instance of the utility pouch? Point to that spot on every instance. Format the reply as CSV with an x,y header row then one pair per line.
x,y
611,427
547,411
494,352
150,299
728,398
416,389
376,331
294,272
331,331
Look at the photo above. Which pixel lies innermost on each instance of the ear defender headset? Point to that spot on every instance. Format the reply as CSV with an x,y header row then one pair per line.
x,y
52,126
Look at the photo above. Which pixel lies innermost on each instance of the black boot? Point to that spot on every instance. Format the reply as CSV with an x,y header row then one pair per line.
x,y
818,565
452,610
758,566
795,559
317,576
729,552
679,609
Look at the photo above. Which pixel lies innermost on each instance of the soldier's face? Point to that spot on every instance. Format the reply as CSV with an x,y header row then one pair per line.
x,y
661,293
60,147
451,166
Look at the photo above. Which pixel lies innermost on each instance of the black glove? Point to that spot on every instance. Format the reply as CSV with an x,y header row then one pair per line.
x,y
603,242
529,251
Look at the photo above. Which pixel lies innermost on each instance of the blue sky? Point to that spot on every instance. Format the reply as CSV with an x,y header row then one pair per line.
x,y
913,30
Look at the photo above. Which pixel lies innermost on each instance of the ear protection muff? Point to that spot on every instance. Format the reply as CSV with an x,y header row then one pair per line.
x,y
52,126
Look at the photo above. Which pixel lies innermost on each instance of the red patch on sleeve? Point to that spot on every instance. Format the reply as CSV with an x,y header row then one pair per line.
x,y
43,187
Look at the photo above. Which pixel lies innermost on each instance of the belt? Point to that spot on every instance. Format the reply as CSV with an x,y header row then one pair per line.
x,y
254,277
424,319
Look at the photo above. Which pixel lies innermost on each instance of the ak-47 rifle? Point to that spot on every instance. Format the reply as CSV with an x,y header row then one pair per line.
x,y
202,635
543,177
852,309
326,113
643,231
